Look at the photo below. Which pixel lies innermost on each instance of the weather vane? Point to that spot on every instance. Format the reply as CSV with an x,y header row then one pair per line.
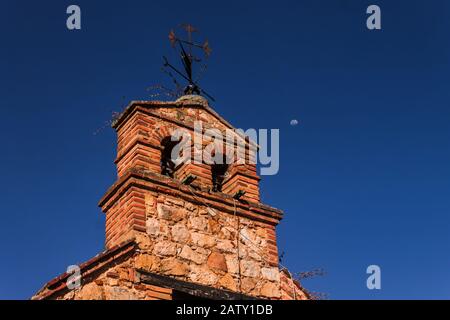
x,y
185,49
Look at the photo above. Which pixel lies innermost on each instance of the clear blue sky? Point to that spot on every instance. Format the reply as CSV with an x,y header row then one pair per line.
x,y
364,178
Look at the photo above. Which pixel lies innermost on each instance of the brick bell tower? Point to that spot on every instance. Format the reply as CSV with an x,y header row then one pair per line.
x,y
151,194
171,236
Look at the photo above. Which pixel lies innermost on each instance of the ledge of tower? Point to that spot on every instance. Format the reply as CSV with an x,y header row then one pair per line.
x,y
186,101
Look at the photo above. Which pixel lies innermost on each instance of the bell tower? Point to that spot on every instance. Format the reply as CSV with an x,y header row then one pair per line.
x,y
193,231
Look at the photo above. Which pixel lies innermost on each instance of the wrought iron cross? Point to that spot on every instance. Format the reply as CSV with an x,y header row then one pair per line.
x,y
185,48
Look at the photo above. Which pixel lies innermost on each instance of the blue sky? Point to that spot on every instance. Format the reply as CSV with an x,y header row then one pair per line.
x,y
364,176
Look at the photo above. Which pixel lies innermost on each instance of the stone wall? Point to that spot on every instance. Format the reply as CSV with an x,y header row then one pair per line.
x,y
186,241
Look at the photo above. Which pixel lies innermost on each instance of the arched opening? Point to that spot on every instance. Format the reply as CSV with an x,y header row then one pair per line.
x,y
167,165
219,173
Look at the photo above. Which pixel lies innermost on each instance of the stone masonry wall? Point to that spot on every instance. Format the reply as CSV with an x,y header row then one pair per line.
x,y
184,240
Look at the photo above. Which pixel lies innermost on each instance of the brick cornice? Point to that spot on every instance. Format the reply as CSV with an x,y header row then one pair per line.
x,y
165,104
161,184
88,269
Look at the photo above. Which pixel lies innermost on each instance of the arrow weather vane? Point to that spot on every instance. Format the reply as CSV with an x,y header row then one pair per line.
x,y
185,49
